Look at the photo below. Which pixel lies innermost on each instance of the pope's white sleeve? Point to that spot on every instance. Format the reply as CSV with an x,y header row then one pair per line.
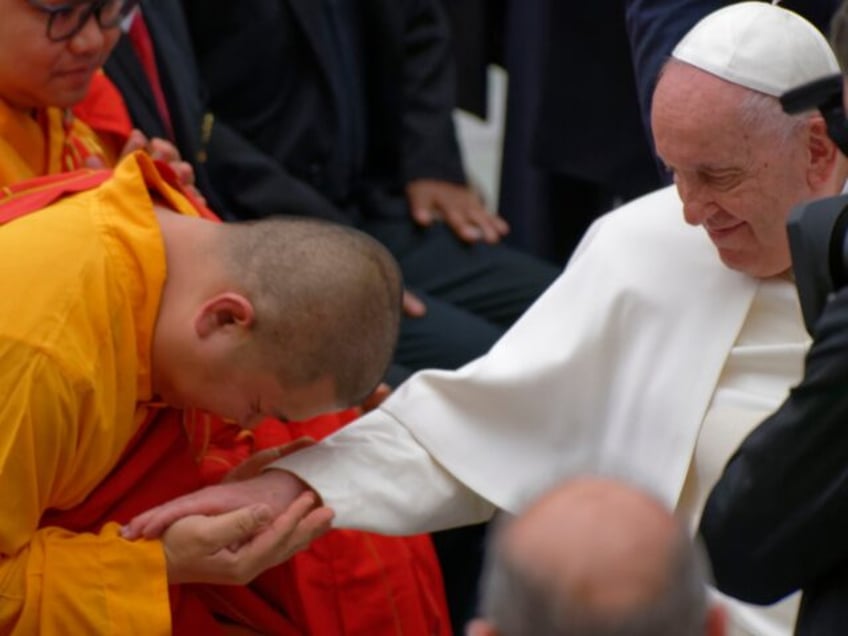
x,y
377,477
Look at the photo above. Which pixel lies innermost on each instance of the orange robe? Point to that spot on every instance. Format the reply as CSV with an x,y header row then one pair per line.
x,y
346,583
76,322
53,141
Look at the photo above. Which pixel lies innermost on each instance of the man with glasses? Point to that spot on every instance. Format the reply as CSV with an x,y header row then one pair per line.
x,y
50,56
67,19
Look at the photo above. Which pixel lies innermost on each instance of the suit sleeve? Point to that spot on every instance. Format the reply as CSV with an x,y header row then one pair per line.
x,y
776,520
53,581
251,184
430,146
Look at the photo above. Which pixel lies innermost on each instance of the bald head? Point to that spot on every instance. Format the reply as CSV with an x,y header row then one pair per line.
x,y
594,557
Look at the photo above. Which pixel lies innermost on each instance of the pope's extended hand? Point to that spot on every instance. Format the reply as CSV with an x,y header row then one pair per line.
x,y
276,489
458,206
235,547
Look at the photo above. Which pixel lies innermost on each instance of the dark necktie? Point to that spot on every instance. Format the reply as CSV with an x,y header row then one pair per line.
x,y
143,45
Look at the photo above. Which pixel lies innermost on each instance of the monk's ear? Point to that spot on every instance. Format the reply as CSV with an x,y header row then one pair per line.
x,y
823,154
224,312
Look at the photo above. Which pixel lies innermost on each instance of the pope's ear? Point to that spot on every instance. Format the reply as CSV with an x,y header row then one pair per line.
x,y
823,154
223,312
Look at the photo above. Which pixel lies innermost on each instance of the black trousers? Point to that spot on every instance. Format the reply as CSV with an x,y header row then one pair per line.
x,y
473,292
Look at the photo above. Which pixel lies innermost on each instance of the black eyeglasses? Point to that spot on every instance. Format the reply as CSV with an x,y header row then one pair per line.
x,y
64,21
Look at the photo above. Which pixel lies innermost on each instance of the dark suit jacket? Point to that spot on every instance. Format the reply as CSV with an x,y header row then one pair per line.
x,y
480,27
238,180
588,124
777,520
656,26
267,64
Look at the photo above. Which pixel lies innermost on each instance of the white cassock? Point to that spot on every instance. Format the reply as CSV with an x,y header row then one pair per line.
x,y
643,338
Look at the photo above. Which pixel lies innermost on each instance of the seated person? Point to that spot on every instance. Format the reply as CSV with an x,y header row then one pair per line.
x,y
354,101
48,59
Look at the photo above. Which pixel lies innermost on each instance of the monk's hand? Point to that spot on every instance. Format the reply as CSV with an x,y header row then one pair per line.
x,y
457,205
234,547
163,150
413,306
276,489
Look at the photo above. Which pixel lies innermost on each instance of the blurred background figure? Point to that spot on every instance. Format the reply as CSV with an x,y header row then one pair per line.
x,y
594,557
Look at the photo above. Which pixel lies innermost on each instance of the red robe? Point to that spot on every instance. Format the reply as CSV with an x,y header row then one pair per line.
x,y
348,581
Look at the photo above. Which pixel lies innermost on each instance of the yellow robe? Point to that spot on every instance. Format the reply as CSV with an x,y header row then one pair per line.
x,y
81,283
48,141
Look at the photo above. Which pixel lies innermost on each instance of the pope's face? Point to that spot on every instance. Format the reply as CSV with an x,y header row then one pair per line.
x,y
36,72
737,179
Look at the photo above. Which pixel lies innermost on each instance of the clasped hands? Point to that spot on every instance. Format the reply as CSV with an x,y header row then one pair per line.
x,y
230,533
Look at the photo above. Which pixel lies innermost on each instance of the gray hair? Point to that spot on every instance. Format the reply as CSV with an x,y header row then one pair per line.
x,y
760,111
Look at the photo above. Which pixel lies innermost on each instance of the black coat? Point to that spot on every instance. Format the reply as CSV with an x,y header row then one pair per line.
x,y
238,180
269,70
777,520
588,123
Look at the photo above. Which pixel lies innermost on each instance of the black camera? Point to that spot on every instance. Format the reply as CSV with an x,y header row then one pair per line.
x,y
818,231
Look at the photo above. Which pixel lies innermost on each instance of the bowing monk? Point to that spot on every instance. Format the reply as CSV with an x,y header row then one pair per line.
x,y
120,298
